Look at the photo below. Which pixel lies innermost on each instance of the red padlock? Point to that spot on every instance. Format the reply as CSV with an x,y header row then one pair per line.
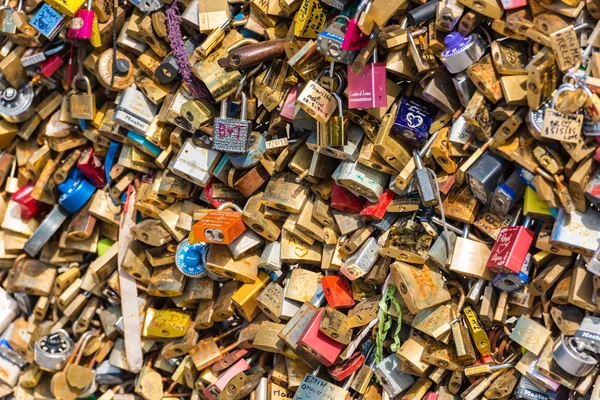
x,y
92,167
376,211
338,291
320,346
344,370
51,65
30,207
344,200
511,248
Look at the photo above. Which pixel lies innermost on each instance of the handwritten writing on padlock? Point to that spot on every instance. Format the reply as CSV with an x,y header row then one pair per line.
x,y
317,102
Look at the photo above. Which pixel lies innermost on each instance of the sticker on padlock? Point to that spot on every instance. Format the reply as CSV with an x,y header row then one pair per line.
x,y
81,24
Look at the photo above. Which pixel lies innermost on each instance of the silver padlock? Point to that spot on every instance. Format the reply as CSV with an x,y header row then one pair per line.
x,y
361,262
52,351
392,379
329,41
108,374
230,134
589,333
361,180
135,111
574,357
289,307
244,244
147,6
195,163
271,256
577,231
594,264
16,105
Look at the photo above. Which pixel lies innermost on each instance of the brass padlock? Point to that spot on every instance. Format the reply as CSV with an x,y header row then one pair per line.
x,y
82,105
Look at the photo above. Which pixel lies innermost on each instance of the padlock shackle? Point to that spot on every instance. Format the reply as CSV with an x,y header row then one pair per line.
x,y
466,230
86,80
241,43
224,108
517,216
244,107
461,294
565,87
229,205
227,333
362,6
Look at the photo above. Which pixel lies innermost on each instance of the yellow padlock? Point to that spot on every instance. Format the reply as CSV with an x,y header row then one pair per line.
x,y
167,323
95,40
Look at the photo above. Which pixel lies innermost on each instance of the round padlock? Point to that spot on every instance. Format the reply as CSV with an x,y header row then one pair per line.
x,y
52,351
190,259
123,70
16,105
572,356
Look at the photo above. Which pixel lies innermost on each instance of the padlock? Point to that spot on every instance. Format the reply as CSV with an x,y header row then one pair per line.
x,y
83,106
135,111
52,351
419,50
231,134
220,226
338,292
461,52
470,257
81,25
393,380
316,100
511,248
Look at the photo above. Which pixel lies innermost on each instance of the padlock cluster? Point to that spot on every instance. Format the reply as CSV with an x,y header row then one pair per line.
x,y
299,199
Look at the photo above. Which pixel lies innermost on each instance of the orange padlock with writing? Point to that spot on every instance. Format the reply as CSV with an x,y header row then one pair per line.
x,y
221,226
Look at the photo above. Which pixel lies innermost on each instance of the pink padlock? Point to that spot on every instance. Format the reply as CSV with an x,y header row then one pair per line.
x,y
289,105
81,24
368,88
355,39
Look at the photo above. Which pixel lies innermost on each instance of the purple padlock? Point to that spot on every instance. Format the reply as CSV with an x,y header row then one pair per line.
x,y
368,88
461,52
413,120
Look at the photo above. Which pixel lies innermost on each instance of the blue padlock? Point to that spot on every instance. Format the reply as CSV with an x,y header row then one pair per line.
x,y
190,259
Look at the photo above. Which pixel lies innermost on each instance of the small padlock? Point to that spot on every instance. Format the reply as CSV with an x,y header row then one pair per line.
x,y
329,41
333,133
318,102
81,24
83,105
230,134
354,38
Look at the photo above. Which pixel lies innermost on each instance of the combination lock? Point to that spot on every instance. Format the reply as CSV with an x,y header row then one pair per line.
x,y
190,259
52,351
16,105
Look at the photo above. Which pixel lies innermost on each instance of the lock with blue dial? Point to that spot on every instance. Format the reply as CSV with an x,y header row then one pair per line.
x,y
190,259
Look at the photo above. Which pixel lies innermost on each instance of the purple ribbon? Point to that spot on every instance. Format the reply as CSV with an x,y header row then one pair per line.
x,y
197,88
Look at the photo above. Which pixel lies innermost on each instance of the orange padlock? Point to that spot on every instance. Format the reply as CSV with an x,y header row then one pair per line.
x,y
338,292
220,226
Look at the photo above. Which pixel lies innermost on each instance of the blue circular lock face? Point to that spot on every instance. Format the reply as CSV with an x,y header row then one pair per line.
x,y
190,259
